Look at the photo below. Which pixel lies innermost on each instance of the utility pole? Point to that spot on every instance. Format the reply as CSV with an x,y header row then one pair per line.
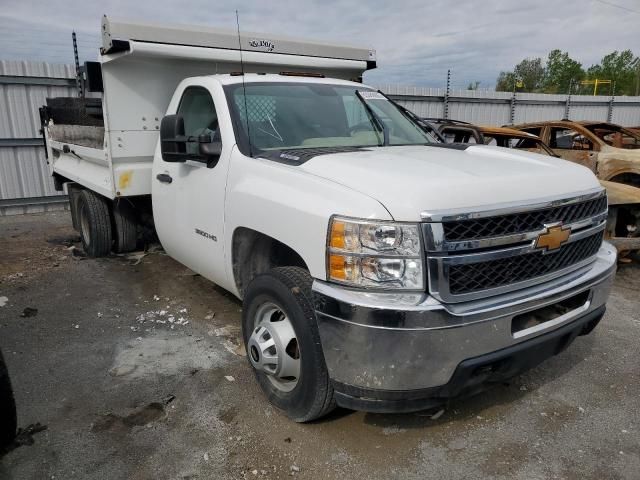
x,y
517,82
446,95
567,105
77,61
613,93
637,77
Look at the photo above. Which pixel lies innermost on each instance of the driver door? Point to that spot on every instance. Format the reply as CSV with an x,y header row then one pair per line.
x,y
188,197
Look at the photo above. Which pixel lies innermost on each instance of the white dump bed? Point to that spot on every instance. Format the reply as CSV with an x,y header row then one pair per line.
x,y
142,64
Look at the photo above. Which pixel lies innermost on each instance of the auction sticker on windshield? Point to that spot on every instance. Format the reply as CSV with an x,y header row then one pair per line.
x,y
369,95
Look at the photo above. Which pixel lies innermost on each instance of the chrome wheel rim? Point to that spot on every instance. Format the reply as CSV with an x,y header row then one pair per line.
x,y
273,347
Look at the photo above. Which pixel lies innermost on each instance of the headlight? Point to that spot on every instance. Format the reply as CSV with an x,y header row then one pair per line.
x,y
375,254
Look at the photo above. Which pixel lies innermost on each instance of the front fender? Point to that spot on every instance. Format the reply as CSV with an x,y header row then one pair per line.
x,y
290,205
617,161
621,194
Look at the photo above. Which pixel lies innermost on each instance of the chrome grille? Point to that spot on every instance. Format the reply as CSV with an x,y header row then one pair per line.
x,y
522,222
471,255
473,277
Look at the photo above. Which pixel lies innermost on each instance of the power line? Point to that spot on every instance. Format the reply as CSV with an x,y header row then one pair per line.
x,y
618,6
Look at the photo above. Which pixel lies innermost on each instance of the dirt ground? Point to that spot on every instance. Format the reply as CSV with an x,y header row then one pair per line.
x,y
136,371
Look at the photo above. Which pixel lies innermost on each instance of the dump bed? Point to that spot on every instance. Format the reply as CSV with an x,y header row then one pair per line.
x,y
141,64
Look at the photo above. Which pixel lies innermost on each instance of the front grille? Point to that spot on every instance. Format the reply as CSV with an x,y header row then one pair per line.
x,y
522,222
473,277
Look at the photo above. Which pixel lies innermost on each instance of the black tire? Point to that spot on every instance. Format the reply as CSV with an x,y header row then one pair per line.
x,y
95,224
290,289
125,227
8,418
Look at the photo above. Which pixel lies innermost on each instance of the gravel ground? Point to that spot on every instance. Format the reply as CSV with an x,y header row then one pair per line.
x,y
137,372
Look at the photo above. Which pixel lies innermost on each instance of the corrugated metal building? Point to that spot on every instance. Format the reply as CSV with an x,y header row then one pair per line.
x,y
25,184
487,107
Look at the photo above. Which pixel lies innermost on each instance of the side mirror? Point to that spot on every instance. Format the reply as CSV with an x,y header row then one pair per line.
x,y
173,143
209,150
175,146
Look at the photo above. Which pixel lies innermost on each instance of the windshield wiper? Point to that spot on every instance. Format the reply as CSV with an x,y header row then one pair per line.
x,y
412,117
381,126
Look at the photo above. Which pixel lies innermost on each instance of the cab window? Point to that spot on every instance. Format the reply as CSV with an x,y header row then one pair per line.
x,y
537,131
616,137
200,118
568,139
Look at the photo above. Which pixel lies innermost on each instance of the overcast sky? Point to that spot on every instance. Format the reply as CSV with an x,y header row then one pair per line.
x,y
416,40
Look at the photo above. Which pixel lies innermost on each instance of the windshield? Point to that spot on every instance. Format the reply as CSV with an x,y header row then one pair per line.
x,y
615,136
298,115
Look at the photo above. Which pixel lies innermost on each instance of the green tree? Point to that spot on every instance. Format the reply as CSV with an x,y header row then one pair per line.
x,y
529,71
505,82
560,72
473,85
619,67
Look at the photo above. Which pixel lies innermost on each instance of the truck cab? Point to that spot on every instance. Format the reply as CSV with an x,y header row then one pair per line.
x,y
378,270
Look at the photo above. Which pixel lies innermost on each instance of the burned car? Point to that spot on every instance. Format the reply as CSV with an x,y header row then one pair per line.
x,y
454,131
623,221
624,200
612,152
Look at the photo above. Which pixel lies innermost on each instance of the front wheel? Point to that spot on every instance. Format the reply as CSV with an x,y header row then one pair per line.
x,y
283,343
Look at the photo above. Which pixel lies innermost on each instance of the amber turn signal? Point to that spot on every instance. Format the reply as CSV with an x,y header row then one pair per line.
x,y
337,235
338,267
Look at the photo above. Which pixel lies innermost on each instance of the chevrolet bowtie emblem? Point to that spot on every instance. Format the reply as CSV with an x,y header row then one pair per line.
x,y
553,237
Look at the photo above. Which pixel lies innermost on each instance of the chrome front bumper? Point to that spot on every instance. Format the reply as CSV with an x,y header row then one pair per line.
x,y
383,342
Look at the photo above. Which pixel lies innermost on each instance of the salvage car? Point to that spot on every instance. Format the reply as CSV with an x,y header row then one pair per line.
x,y
454,131
624,200
623,222
611,152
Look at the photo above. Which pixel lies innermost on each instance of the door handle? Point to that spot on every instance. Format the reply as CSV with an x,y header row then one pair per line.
x,y
164,177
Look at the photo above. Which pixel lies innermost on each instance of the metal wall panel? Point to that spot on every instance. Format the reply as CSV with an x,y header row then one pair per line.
x,y
424,109
23,170
625,112
479,113
486,107
535,113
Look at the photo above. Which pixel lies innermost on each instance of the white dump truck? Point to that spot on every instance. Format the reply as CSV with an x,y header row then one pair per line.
x,y
378,270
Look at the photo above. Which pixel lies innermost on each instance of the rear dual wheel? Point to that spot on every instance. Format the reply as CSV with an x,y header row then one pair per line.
x,y
99,234
125,227
95,224
283,343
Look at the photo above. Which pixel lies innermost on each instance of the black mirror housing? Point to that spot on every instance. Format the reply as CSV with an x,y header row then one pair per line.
x,y
210,152
173,144
205,138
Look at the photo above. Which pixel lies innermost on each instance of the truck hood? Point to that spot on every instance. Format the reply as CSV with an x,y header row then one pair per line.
x,y
413,179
